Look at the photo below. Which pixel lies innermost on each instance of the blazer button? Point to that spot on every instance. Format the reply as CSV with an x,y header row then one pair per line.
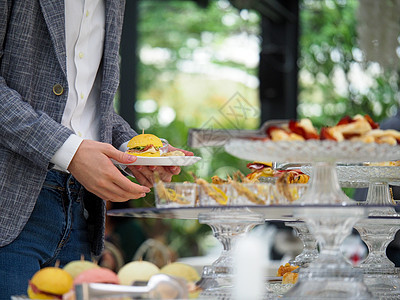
x,y
58,89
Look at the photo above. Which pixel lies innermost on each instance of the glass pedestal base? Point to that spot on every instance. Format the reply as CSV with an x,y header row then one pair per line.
x,y
227,225
329,276
383,286
310,251
380,274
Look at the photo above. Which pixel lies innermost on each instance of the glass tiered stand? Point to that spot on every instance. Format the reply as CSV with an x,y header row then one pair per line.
x,y
310,250
329,214
380,274
227,226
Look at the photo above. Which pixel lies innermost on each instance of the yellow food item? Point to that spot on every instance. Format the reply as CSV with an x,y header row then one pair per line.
x,y
185,271
290,277
173,153
49,283
137,271
217,180
265,172
285,269
170,194
219,196
244,191
74,268
179,269
384,164
213,191
145,145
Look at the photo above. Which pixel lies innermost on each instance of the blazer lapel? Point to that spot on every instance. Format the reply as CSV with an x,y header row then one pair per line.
x,y
111,46
54,15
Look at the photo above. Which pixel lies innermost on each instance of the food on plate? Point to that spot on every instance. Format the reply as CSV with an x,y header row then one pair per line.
x,y
238,183
263,169
276,133
291,176
348,128
293,131
97,275
286,271
258,194
285,188
145,145
285,268
218,180
358,128
173,153
384,164
388,136
185,271
137,271
290,278
304,128
50,283
74,268
259,169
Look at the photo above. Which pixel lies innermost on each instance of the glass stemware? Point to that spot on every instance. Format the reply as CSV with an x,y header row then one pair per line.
x,y
380,273
310,251
330,275
227,226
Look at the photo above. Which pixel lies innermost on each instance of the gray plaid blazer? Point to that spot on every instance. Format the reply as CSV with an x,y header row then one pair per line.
x,y
32,62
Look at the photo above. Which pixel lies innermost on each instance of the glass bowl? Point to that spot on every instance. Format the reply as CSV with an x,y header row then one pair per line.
x,y
252,193
211,194
176,194
287,193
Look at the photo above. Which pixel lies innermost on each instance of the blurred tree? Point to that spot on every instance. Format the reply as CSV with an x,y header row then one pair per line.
x,y
335,78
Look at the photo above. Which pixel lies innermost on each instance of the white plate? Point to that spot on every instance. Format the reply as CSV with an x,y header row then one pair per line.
x,y
163,161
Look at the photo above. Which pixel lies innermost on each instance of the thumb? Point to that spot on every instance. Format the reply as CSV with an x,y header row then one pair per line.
x,y
123,157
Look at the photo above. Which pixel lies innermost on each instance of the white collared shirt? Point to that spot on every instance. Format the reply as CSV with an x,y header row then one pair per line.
x,y
84,33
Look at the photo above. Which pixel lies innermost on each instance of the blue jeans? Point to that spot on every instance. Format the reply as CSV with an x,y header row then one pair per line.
x,y
56,231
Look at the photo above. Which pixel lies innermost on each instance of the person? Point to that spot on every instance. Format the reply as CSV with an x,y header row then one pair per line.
x,y
58,133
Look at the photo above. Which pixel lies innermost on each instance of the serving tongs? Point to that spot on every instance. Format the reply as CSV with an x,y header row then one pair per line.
x,y
209,137
160,286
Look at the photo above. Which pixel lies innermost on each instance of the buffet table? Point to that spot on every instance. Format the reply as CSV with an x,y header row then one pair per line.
x,y
328,213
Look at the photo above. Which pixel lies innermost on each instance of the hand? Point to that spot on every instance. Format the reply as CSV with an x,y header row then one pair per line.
x,y
187,153
92,167
145,175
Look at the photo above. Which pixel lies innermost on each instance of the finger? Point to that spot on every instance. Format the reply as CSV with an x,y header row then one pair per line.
x,y
120,156
164,174
143,176
175,170
187,153
130,187
116,194
120,189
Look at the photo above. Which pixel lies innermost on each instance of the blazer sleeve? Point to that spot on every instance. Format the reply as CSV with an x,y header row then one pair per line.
x,y
122,131
24,130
